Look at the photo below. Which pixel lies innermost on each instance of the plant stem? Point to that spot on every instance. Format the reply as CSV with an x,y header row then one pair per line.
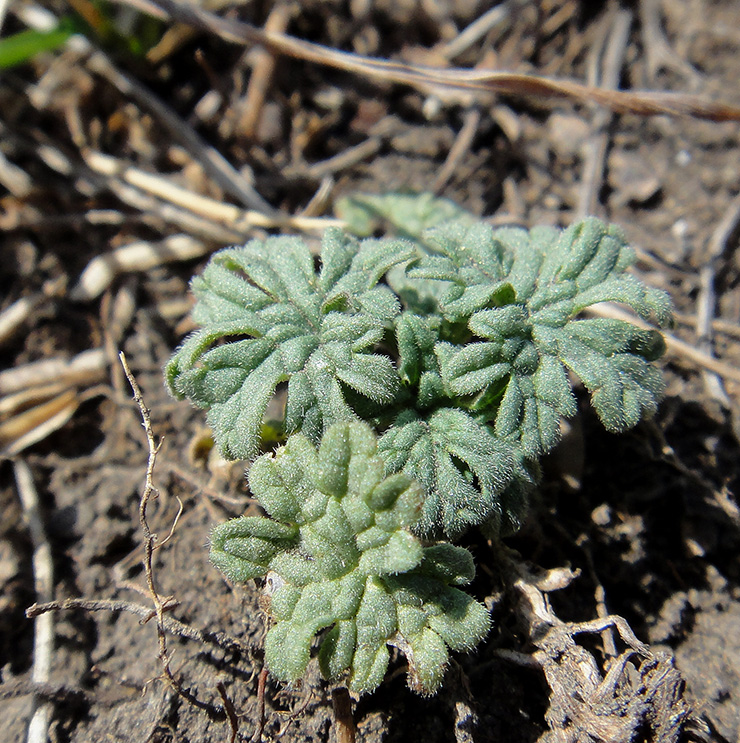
x,y
344,723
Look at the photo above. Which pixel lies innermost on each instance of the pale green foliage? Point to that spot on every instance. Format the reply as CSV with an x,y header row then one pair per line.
x,y
457,343
464,467
339,557
267,317
519,293
407,214
410,216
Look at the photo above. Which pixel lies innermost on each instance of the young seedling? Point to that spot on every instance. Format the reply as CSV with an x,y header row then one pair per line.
x,y
456,345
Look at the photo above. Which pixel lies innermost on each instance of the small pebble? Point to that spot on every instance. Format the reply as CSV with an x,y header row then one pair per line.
x,y
602,515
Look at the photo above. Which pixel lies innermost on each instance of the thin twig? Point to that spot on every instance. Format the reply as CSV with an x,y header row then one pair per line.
x,y
43,578
50,692
172,625
294,715
261,683
160,604
150,539
230,711
448,83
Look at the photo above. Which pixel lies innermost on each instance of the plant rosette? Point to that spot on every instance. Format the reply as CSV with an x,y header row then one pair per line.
x,y
432,371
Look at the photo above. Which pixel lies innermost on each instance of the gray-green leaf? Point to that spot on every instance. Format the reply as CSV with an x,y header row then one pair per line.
x,y
339,555
267,317
464,468
527,341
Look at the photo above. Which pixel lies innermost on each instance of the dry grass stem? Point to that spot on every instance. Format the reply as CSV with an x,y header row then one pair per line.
x,y
100,273
85,369
462,144
43,579
342,161
159,215
451,84
263,67
34,424
480,27
215,165
14,178
17,314
229,215
706,301
724,327
658,52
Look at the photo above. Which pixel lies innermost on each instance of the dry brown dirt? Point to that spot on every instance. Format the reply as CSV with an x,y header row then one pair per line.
x,y
650,516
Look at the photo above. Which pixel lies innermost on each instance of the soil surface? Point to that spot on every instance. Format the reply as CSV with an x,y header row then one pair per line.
x,y
648,520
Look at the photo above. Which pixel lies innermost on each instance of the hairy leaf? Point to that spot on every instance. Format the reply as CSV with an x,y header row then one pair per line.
x,y
416,336
267,317
339,556
464,468
407,214
471,262
520,293
410,216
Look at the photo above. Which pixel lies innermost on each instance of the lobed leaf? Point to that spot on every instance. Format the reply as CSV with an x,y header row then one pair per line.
x,y
408,215
471,261
464,468
342,558
520,293
267,318
416,336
